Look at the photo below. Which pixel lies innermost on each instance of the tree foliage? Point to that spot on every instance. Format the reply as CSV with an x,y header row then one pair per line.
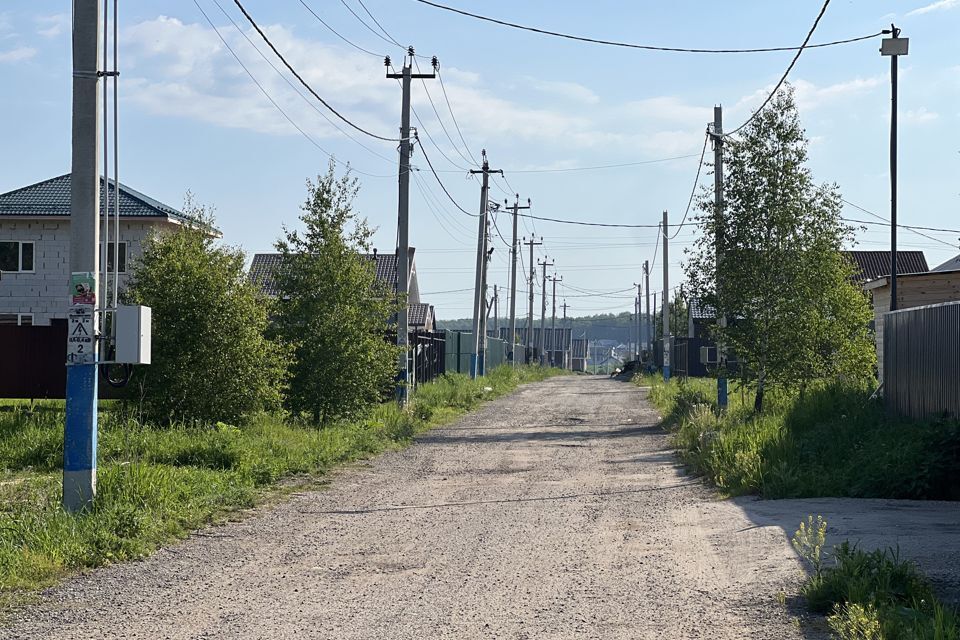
x,y
211,360
794,312
332,311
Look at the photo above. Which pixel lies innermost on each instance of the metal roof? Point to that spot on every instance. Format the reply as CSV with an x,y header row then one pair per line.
x,y
701,311
952,264
52,198
264,264
871,265
418,314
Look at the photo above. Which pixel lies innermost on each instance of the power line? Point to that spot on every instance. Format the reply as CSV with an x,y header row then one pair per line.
x,y
440,182
389,41
599,224
304,82
337,33
377,22
656,246
446,98
693,191
440,120
274,102
309,102
783,78
647,47
603,166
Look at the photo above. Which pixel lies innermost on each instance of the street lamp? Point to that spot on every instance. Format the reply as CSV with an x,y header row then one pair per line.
x,y
893,47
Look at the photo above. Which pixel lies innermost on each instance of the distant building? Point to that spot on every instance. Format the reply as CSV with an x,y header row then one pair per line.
x,y
870,265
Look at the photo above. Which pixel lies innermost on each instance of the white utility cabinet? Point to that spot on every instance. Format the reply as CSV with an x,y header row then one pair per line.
x,y
132,334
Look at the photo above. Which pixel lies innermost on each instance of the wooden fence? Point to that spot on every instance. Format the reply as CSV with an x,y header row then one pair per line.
x,y
921,360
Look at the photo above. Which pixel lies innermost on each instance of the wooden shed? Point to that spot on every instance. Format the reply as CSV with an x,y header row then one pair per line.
x,y
913,290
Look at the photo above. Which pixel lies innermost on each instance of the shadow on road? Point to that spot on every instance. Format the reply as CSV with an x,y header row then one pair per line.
x,y
465,434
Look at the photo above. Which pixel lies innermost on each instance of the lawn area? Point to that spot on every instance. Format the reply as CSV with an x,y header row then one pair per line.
x,y
158,484
831,441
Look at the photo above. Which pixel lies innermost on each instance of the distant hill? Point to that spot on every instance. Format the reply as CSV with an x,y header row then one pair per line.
x,y
605,326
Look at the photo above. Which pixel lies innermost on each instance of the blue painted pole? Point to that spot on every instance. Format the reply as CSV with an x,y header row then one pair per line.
x,y
80,437
722,393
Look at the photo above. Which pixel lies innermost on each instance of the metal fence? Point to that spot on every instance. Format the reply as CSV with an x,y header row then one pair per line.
x,y
34,361
921,360
459,348
427,355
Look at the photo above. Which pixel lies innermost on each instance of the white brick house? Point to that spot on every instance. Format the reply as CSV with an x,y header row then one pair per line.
x,y
35,245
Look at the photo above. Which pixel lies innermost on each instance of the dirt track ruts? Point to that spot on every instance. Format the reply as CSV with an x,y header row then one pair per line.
x,y
556,512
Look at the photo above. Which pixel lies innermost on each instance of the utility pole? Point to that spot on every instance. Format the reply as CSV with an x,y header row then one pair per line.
x,y
716,134
553,321
496,312
665,301
479,294
543,311
533,274
894,48
564,306
649,318
514,257
403,217
80,428
639,320
570,350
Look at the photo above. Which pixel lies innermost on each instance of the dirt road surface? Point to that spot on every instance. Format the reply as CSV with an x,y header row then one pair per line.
x,y
557,512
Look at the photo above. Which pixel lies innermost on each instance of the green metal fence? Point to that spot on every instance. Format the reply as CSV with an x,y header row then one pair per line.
x,y
460,347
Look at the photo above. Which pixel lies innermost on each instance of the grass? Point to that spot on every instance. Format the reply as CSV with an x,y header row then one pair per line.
x,y
156,485
872,595
831,441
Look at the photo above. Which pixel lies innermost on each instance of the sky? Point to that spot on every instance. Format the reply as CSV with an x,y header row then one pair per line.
x,y
191,118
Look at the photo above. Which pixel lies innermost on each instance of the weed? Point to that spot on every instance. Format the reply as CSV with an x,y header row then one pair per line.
x,y
809,540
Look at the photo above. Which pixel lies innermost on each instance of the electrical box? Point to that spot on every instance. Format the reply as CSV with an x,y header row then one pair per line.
x,y
132,334
894,46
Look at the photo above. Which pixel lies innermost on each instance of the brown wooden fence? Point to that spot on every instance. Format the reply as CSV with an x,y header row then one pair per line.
x,y
921,360
33,361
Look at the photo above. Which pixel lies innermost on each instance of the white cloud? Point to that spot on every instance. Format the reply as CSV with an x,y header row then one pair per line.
x,y
920,116
568,90
935,6
18,54
810,96
52,25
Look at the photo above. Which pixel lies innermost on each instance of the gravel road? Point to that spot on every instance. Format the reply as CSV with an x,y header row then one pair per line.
x,y
556,512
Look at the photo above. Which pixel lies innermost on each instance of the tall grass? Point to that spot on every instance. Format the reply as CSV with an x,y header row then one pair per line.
x,y
832,440
155,485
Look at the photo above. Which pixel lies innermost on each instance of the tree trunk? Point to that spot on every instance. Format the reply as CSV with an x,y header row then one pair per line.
x,y
758,401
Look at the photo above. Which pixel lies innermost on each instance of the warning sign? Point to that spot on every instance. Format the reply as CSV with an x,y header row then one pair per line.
x,y
83,287
81,346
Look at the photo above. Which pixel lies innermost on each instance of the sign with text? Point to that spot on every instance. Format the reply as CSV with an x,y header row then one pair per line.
x,y
81,345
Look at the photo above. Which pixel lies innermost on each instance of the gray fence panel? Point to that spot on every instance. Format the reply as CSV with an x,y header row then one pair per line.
x,y
921,360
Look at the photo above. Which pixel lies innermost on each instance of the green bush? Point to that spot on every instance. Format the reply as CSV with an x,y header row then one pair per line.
x,y
831,440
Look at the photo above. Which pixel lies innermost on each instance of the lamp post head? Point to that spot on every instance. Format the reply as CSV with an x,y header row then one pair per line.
x,y
895,46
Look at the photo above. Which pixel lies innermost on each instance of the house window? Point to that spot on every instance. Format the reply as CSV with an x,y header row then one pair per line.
x,y
16,256
123,257
21,319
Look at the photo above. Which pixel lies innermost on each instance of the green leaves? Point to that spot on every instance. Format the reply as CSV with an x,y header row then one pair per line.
x,y
771,261
332,312
211,361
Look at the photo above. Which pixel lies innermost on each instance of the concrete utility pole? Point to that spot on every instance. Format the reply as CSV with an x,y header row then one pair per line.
x,y
543,312
893,47
553,321
716,134
649,318
639,320
514,257
80,429
403,218
496,312
564,306
533,274
665,303
479,294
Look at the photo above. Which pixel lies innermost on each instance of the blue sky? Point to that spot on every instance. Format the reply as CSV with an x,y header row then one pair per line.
x,y
192,119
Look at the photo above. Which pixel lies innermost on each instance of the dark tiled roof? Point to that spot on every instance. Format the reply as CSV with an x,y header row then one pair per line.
x,y
264,264
418,314
701,311
953,264
52,198
871,265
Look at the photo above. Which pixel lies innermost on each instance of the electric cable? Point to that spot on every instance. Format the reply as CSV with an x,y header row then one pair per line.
x,y
786,73
439,181
337,33
316,95
599,224
647,47
656,246
440,120
274,102
693,191
456,124
389,39
306,100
